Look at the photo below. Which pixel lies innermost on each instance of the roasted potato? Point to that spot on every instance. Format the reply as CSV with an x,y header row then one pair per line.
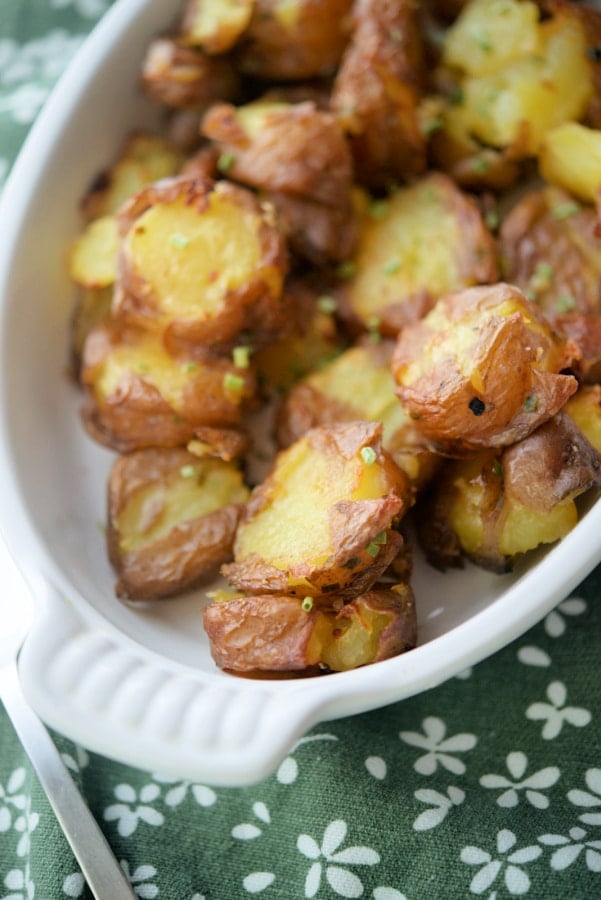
x,y
144,158
292,40
377,90
550,250
140,395
499,504
584,407
420,243
276,633
519,77
171,520
295,148
92,259
215,25
358,384
570,157
323,520
204,262
92,306
185,78
482,369
316,232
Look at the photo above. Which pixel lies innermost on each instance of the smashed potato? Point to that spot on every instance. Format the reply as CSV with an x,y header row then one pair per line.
x,y
499,504
278,633
482,369
184,78
140,395
215,25
570,157
204,261
171,520
348,494
421,242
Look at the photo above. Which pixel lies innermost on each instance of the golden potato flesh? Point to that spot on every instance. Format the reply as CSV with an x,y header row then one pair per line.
x,y
511,94
424,241
358,384
570,157
171,520
498,505
144,158
93,255
184,78
140,395
215,25
584,408
292,40
377,89
295,148
288,634
205,262
550,250
322,520
482,369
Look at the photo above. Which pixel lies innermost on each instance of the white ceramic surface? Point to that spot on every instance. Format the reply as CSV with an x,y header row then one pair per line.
x,y
138,684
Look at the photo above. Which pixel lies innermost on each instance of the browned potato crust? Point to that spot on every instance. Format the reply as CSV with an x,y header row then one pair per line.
x,y
215,25
285,634
202,261
482,369
551,250
185,78
139,395
377,89
295,148
422,242
498,505
322,521
291,41
171,520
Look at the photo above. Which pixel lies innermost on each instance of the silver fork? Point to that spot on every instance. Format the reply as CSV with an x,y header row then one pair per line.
x,y
99,867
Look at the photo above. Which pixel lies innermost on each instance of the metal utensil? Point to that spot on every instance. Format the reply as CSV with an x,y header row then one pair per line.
x,y
101,870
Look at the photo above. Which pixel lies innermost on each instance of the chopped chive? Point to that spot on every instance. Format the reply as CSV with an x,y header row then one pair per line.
x,y
492,219
380,539
177,239
431,126
241,356
391,267
233,383
565,210
346,269
531,403
373,549
368,455
497,469
307,604
188,471
565,303
378,209
143,367
225,162
189,367
480,165
544,269
326,304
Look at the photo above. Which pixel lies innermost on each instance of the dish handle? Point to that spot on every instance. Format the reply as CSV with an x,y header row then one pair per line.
x,y
111,695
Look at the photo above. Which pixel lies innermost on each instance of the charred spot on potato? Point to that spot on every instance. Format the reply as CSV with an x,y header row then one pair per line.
x,y
477,406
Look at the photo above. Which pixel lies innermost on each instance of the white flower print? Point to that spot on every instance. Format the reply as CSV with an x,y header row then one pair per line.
x,y
533,785
247,831
134,808
440,803
258,881
376,766
556,713
555,624
534,656
26,824
589,800
340,879
19,882
89,9
440,749
204,796
387,893
74,884
139,880
569,848
287,772
11,799
516,880
76,761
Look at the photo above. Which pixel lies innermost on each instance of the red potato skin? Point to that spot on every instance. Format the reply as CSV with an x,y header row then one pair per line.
x,y
184,78
504,355
189,555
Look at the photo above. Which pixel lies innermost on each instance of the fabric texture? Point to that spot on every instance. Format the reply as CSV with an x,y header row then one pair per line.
x,y
489,785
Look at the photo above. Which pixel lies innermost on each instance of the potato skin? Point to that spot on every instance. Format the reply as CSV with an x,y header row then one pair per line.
x,y
188,555
377,88
253,306
493,391
181,77
316,232
275,634
135,413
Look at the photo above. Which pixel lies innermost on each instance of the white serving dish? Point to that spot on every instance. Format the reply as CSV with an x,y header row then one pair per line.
x,y
138,684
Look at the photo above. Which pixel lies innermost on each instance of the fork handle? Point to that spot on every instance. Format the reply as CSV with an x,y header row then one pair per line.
x,y
99,867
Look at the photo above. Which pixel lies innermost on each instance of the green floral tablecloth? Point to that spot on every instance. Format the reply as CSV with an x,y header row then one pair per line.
x,y
487,786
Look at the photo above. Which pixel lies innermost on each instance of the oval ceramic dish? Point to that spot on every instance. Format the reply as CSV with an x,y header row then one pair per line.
x,y
138,683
